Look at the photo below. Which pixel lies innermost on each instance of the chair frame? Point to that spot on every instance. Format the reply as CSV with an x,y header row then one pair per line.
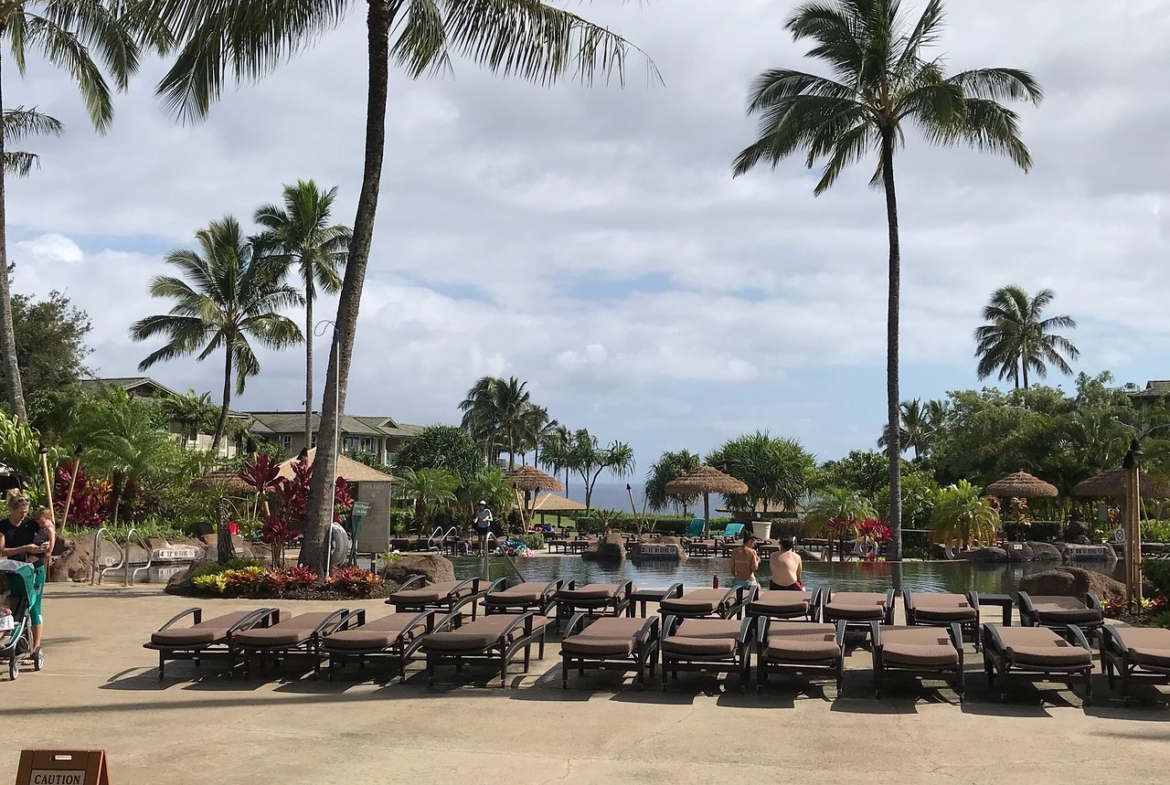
x,y
1089,630
543,608
1116,663
806,668
499,652
641,661
857,624
739,661
613,605
224,648
730,608
397,652
997,664
970,629
813,614
308,648
451,604
882,670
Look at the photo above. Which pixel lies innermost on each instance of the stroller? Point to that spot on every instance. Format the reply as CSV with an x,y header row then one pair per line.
x,y
17,642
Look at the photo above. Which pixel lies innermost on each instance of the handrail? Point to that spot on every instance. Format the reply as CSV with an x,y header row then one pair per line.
x,y
443,535
124,556
94,575
484,565
128,575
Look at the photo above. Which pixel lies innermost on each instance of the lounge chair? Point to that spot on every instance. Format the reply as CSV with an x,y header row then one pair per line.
x,y
610,644
539,597
448,596
595,599
800,647
214,638
697,603
922,652
1135,654
859,608
776,604
1057,613
1039,654
704,644
294,636
933,609
395,637
495,639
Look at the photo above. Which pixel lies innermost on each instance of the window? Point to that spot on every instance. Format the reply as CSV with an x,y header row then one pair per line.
x,y
286,444
313,444
349,444
367,444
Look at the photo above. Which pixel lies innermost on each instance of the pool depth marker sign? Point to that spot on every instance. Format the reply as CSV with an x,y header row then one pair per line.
x,y
62,767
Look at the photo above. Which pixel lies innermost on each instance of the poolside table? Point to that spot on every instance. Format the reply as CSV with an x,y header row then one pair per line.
x,y
642,596
1002,600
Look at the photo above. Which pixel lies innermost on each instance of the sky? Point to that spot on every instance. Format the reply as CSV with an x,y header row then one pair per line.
x,y
592,241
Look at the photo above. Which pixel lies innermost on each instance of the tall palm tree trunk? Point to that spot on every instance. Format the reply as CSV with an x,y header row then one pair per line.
x,y
893,400
320,508
221,425
13,388
308,369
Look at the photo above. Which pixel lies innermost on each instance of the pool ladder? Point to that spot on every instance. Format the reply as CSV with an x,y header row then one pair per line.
x,y
129,571
491,537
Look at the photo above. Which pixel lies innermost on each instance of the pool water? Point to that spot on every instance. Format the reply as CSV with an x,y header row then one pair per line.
x,y
939,576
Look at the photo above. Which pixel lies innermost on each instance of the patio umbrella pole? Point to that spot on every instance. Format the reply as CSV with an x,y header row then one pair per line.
x,y
48,483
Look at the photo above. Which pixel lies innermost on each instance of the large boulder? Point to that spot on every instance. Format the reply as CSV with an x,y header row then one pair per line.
x,y
1045,551
808,555
434,567
1019,551
611,547
73,559
984,555
1071,582
662,549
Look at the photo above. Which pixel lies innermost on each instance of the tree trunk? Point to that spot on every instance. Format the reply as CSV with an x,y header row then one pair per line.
x,y
308,369
893,402
1024,364
320,508
13,388
227,397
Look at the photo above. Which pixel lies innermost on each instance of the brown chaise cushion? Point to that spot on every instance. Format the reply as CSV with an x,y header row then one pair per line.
x,y
918,647
519,594
1064,610
695,601
592,593
608,637
202,634
704,638
850,612
1146,645
380,633
943,607
285,633
802,642
780,602
439,592
479,635
1040,647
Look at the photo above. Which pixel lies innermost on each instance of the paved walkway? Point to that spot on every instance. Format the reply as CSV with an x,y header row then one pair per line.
x,y
100,689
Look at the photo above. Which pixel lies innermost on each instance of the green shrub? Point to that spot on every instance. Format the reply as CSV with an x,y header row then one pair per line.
x,y
1156,531
214,568
1157,572
212,584
401,519
533,542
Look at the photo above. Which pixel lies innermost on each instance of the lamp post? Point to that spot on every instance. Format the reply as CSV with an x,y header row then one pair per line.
x,y
319,329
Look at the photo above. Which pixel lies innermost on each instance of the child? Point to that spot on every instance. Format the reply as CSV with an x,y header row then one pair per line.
x,y
45,537
6,620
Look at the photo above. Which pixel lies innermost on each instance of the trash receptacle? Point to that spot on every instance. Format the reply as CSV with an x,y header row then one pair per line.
x,y
762,529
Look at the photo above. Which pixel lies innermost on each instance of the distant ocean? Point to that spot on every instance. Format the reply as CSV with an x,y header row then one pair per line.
x,y
613,496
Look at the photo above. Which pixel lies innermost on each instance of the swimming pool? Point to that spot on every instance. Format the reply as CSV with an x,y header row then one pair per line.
x,y
944,576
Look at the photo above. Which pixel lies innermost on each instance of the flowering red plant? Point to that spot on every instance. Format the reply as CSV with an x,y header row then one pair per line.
x,y
90,503
342,501
261,473
875,529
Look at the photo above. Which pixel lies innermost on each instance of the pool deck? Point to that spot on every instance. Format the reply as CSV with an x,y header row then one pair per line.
x,y
101,689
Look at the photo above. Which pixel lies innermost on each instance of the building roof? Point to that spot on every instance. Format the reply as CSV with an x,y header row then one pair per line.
x,y
351,470
1157,388
142,386
294,422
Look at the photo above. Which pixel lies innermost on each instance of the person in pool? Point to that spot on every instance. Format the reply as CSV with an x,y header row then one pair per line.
x,y
745,561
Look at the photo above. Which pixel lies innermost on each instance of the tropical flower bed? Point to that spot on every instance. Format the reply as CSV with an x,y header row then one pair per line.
x,y
250,578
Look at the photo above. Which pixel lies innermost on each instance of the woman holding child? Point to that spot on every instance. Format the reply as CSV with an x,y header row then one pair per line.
x,y
29,539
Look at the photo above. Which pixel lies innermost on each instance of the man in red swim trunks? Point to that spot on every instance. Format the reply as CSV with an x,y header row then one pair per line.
x,y
787,568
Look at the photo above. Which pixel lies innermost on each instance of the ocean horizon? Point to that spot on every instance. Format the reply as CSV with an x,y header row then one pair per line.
x,y
613,496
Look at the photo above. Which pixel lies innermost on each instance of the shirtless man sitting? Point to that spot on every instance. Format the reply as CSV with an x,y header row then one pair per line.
x,y
786,568
745,561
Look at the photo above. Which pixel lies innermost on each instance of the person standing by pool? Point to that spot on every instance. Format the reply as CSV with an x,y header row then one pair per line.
x,y
787,568
483,524
745,561
18,535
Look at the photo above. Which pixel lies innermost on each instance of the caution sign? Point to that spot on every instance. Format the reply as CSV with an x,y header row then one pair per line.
x,y
62,767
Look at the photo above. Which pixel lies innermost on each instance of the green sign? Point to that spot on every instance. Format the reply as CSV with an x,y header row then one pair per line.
x,y
360,509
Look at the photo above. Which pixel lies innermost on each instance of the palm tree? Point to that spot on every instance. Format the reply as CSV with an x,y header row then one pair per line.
x,y
554,453
74,36
588,459
1016,340
917,428
193,412
229,298
429,488
530,39
670,466
884,82
21,123
962,514
300,234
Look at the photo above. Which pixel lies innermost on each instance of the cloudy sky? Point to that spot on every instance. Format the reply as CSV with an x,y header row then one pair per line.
x,y
593,241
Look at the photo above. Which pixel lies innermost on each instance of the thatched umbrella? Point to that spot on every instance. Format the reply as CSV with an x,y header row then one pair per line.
x,y
555,503
1022,485
529,478
1113,484
228,480
705,480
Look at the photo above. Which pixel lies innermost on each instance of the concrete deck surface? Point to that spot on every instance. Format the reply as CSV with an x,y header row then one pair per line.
x,y
100,689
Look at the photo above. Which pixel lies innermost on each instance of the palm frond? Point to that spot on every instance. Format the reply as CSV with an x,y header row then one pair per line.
x,y
21,123
999,84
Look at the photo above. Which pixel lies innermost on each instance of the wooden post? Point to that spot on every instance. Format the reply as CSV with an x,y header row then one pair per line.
x,y
72,482
1133,535
1136,539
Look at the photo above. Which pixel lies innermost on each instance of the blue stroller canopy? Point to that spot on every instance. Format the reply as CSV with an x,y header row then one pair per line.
x,y
18,577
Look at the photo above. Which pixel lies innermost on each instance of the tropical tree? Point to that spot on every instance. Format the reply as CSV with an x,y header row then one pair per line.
x,y
554,452
300,235
429,489
837,513
531,39
489,486
501,417
917,429
670,466
19,124
193,412
778,472
230,298
960,513
443,447
588,459
883,82
74,36
1016,339
861,470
